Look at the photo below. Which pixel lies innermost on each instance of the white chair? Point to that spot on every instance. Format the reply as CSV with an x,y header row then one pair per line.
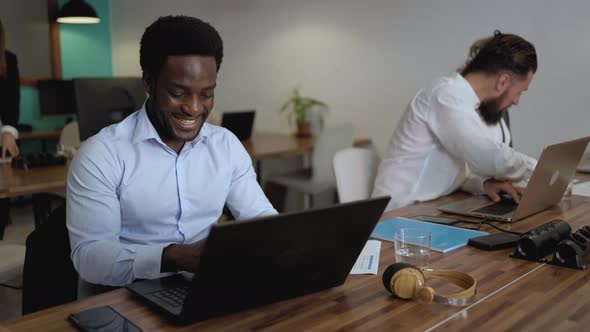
x,y
12,260
355,170
320,177
70,136
69,141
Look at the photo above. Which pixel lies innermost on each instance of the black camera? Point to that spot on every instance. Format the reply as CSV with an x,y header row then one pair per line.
x,y
569,252
542,240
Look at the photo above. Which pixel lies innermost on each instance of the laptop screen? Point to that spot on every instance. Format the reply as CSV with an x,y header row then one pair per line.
x,y
240,123
250,263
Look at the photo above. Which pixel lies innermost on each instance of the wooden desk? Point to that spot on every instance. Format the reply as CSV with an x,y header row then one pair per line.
x,y
548,298
262,146
265,146
510,293
42,135
16,182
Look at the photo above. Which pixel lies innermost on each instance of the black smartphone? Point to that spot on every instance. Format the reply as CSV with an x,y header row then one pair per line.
x,y
437,220
102,319
496,241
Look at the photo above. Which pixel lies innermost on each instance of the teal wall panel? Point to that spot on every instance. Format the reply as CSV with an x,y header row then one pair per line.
x,y
86,48
85,52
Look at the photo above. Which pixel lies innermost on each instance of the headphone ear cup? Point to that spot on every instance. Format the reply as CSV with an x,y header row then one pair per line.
x,y
390,271
403,280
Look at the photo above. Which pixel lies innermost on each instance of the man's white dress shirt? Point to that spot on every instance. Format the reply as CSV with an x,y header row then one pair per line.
x,y
441,144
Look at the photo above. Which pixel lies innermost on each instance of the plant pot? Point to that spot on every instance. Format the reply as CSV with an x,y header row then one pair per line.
x,y
303,129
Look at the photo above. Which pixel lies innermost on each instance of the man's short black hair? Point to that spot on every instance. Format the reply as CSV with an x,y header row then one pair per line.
x,y
177,35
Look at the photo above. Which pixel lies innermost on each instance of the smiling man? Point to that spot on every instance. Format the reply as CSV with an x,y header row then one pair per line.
x,y
452,134
142,194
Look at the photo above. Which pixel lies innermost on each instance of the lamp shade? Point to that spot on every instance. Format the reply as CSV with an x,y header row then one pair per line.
x,y
77,12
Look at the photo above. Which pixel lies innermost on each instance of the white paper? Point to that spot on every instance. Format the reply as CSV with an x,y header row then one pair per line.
x,y
581,189
368,260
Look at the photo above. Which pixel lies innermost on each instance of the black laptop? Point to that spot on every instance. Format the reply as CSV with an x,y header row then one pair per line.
x,y
240,123
259,261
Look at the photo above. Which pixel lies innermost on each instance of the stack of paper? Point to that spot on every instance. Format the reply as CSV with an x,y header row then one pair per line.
x,y
368,260
581,189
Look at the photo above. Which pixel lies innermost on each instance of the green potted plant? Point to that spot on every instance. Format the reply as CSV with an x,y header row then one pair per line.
x,y
299,108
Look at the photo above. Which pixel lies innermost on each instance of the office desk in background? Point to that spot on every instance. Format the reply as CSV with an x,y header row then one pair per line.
x,y
39,134
512,294
17,182
42,135
262,146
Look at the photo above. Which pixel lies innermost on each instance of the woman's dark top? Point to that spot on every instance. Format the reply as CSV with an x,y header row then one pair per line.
x,y
10,92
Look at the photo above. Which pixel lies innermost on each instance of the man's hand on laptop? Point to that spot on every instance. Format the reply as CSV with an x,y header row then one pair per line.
x,y
182,257
494,188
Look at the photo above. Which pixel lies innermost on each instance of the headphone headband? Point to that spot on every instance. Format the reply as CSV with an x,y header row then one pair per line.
x,y
461,279
407,281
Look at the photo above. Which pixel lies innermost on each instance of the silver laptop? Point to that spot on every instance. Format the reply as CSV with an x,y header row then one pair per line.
x,y
555,169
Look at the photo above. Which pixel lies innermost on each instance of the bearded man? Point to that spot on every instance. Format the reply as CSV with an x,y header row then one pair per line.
x,y
452,135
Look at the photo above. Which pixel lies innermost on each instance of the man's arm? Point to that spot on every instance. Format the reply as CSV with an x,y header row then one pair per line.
x,y
8,142
478,185
462,133
94,221
245,199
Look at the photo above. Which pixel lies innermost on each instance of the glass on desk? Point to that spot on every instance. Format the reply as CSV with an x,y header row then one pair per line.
x,y
412,246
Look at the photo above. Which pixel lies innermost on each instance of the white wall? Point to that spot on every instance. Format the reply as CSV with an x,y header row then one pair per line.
x,y
366,59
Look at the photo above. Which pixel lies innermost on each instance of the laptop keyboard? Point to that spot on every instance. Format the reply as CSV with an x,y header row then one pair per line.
x,y
173,296
498,209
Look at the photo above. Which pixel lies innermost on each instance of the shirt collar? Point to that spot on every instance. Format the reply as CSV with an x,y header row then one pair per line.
x,y
471,96
144,130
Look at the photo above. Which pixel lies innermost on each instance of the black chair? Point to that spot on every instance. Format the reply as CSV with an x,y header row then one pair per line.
x,y
49,277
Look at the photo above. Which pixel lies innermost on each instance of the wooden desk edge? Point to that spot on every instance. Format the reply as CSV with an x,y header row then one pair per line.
x,y
41,134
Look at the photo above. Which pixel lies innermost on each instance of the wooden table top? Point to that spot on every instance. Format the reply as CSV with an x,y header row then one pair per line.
x,y
262,146
511,294
39,134
16,182
265,146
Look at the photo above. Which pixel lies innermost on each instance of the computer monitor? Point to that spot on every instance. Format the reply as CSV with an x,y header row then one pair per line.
x,y
56,98
103,101
239,122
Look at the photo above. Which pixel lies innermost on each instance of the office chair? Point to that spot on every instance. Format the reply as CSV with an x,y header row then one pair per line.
x,y
355,170
69,140
70,136
49,277
320,177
